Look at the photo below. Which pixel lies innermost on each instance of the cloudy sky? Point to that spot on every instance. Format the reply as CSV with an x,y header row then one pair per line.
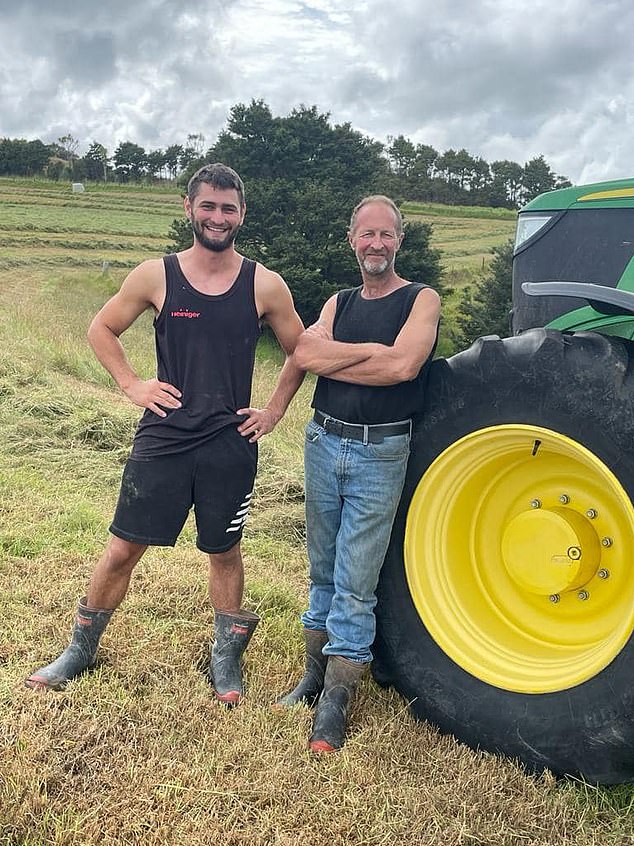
x,y
501,78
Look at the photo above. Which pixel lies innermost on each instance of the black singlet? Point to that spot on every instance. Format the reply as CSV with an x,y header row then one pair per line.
x,y
358,320
205,346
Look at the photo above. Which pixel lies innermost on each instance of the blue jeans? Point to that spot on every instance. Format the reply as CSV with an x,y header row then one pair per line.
x,y
352,493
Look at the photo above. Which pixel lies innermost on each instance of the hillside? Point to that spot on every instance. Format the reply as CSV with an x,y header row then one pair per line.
x,y
45,223
464,235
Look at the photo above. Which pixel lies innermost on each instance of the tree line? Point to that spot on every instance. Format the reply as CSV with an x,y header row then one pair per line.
x,y
128,163
408,171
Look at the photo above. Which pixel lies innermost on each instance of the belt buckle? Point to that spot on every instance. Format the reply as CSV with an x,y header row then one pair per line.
x,y
332,425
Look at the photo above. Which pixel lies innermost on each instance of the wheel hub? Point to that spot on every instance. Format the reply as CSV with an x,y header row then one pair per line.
x,y
550,550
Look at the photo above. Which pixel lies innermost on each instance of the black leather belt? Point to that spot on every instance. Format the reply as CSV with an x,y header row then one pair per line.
x,y
371,434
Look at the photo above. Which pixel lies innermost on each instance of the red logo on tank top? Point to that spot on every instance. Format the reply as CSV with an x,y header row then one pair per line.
x,y
184,314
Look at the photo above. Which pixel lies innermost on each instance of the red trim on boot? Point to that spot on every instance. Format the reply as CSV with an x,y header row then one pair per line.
x,y
321,746
232,697
37,683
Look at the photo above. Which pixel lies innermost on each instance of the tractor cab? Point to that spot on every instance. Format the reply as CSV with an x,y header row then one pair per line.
x,y
567,240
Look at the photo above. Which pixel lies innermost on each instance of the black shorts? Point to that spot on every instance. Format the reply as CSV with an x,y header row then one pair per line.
x,y
216,478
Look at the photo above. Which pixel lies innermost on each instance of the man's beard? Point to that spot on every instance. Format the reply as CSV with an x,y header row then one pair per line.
x,y
375,267
216,246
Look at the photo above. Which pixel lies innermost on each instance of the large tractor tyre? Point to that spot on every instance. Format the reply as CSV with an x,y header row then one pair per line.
x,y
506,602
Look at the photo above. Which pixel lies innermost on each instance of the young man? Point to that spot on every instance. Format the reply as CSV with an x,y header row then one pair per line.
x,y
370,349
196,443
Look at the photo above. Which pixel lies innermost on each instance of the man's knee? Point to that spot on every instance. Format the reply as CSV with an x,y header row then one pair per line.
x,y
122,554
229,558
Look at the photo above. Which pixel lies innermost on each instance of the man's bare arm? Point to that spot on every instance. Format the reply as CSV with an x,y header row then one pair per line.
x,y
372,363
402,361
317,352
276,307
143,288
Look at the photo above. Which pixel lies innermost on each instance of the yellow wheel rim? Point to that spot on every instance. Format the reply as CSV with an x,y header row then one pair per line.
x,y
518,550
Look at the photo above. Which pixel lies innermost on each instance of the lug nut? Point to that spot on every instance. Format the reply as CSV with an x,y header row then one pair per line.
x,y
564,499
554,597
583,594
603,573
536,503
591,513
606,541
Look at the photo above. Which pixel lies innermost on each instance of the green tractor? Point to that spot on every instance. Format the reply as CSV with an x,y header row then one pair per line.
x,y
505,610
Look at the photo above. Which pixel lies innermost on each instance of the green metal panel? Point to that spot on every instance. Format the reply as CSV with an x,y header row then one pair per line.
x,y
589,320
618,193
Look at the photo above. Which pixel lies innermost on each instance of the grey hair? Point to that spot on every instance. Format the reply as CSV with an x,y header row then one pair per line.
x,y
378,198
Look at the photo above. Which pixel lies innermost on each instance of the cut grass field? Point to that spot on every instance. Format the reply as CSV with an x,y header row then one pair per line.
x,y
464,235
122,224
44,223
137,752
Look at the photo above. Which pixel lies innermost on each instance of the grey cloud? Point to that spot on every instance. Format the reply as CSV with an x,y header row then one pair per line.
x,y
460,61
469,75
87,59
305,10
502,78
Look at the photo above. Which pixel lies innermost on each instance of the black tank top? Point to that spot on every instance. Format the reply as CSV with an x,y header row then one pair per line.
x,y
358,320
205,347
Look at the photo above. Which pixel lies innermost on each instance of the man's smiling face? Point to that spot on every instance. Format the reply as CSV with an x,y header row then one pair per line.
x,y
375,238
216,217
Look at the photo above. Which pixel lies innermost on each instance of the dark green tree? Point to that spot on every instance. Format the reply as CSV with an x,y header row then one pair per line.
x,y
485,309
180,232
252,134
172,157
156,163
303,177
425,160
509,175
130,162
450,166
402,155
19,157
465,167
96,160
537,177
191,156
480,177
417,261
419,180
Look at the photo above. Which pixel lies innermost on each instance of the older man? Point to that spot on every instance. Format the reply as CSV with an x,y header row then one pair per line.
x,y
370,349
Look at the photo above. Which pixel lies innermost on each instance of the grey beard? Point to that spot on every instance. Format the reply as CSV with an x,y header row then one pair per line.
x,y
373,269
